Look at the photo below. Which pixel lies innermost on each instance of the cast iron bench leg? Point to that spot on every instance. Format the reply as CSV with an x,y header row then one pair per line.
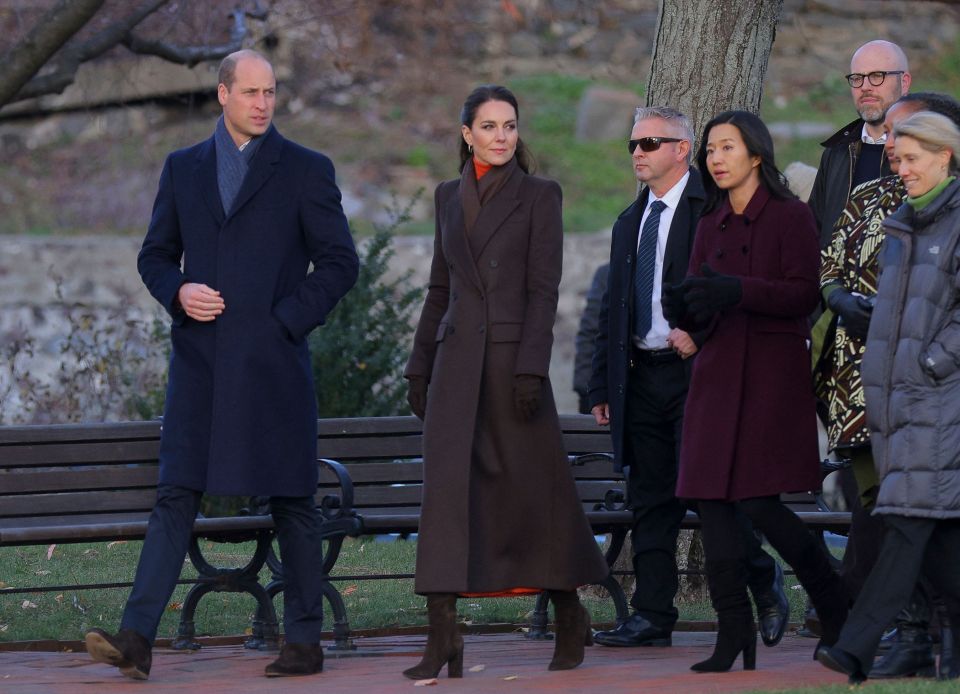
x,y
540,619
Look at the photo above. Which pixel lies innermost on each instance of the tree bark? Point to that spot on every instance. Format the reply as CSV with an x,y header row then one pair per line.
x,y
712,56
64,20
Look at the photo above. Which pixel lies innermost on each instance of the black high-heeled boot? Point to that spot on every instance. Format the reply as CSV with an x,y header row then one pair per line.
x,y
737,632
444,642
573,630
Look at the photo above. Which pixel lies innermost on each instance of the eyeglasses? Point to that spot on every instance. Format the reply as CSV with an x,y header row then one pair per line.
x,y
650,144
855,79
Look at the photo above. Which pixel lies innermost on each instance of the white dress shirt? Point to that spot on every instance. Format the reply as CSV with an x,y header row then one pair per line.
x,y
656,338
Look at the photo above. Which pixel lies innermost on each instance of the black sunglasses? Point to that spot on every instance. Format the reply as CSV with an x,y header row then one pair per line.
x,y
650,144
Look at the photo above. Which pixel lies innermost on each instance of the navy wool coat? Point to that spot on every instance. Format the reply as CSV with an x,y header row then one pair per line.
x,y
240,415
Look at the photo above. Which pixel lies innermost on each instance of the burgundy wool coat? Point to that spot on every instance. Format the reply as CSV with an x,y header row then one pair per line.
x,y
750,423
500,509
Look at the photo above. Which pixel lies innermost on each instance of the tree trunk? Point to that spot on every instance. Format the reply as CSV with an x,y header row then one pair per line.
x,y
712,56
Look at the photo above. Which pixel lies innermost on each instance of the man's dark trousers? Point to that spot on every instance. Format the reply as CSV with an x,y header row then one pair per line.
x,y
656,393
165,547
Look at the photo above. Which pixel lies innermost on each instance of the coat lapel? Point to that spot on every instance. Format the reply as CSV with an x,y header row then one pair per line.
x,y
206,173
494,213
261,169
676,256
456,247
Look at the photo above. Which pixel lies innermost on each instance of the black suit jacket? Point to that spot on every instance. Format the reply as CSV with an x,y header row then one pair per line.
x,y
611,357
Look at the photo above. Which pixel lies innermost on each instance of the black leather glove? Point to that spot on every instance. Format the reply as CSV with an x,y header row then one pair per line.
x,y
673,304
417,395
854,311
706,296
527,395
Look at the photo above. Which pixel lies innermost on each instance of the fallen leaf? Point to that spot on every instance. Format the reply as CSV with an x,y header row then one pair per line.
x,y
50,551
426,683
349,590
59,599
4,627
3,585
91,553
116,542
79,605
27,605
174,606
248,631
510,678
478,668
41,572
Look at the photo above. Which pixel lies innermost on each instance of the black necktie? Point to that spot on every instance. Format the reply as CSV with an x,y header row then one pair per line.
x,y
646,265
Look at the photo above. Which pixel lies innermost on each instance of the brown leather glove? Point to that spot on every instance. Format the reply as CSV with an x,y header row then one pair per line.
x,y
527,395
417,395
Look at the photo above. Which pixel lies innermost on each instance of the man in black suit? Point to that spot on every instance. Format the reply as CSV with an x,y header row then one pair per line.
x,y
641,370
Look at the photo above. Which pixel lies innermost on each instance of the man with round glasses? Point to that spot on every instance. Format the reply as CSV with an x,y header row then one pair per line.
x,y
879,75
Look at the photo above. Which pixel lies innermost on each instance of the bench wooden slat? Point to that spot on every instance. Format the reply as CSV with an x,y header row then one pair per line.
x,y
70,503
62,433
113,477
346,449
79,453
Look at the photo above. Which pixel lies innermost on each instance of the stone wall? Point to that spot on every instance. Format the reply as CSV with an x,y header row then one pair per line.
x,y
100,273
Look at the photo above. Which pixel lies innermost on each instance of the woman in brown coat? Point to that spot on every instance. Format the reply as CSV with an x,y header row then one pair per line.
x,y
500,511
750,431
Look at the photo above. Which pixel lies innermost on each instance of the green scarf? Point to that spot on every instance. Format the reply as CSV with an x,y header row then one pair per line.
x,y
922,201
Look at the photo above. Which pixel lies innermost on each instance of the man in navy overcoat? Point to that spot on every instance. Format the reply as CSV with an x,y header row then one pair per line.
x,y
237,223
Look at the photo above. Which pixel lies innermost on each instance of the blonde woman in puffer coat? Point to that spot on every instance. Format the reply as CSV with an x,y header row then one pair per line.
x,y
911,376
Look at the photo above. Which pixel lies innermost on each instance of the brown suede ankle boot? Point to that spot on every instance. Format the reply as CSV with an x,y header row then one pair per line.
x,y
128,651
296,659
444,642
573,630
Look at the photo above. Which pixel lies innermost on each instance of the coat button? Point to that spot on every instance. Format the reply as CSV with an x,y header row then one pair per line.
x,y
494,263
745,250
482,329
623,302
620,389
629,259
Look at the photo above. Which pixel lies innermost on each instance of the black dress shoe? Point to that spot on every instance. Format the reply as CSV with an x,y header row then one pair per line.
x,y
910,655
773,611
636,631
840,661
128,651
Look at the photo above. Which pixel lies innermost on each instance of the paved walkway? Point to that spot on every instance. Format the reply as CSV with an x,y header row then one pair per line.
x,y
500,662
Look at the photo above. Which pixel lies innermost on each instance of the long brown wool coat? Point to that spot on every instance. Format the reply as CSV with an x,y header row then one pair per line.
x,y
500,509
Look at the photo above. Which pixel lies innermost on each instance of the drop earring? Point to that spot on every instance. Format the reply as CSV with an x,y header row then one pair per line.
x,y
470,148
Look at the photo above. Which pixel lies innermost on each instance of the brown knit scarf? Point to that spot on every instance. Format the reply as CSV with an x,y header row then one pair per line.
x,y
475,194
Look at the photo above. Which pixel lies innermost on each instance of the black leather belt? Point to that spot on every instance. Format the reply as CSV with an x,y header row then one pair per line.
x,y
653,357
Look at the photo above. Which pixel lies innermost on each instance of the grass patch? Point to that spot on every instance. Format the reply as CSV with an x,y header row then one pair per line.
x,y
878,687
370,603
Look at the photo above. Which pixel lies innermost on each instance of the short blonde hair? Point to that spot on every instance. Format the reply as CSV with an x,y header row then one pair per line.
x,y
934,132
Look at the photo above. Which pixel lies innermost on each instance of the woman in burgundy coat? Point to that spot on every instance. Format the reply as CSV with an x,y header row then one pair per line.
x,y
751,430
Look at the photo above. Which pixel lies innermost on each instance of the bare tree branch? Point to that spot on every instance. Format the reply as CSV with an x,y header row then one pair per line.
x,y
191,55
65,20
66,66
54,29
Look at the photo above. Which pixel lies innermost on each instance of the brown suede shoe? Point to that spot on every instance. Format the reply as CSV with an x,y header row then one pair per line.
x,y
128,651
296,659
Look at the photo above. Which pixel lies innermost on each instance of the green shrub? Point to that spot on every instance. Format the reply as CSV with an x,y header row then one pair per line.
x,y
359,355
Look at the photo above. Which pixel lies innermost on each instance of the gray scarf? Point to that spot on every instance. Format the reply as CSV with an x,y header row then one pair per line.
x,y
232,164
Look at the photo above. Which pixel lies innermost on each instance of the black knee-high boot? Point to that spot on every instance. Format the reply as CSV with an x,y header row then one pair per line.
x,y
737,632
573,630
444,642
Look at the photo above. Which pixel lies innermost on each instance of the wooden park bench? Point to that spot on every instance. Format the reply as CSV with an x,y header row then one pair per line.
x,y
98,482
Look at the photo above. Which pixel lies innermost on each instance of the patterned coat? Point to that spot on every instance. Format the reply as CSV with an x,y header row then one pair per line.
x,y
851,261
500,509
